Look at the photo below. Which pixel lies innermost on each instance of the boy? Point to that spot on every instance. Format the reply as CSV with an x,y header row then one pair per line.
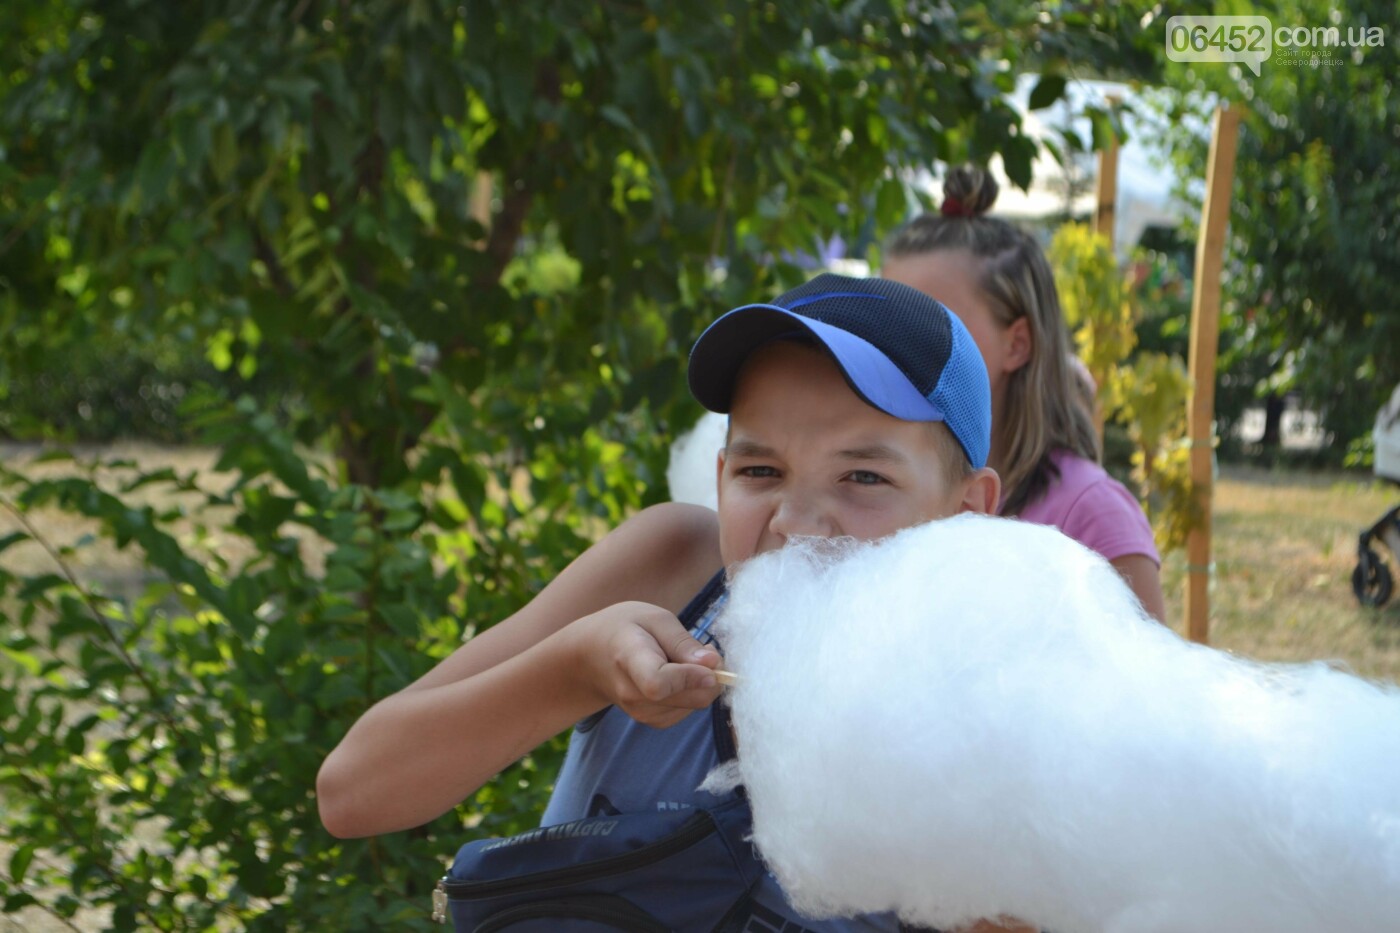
x,y
857,407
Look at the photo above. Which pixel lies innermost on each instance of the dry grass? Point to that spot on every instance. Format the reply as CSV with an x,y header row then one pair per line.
x,y
1284,547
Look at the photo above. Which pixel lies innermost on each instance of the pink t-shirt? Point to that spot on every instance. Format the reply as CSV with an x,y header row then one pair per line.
x,y
1094,509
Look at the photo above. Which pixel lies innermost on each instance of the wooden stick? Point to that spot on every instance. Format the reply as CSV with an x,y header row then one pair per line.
x,y
1106,187
1105,223
727,678
1205,338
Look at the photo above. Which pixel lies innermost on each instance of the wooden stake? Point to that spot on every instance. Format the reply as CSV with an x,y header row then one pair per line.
x,y
1105,214
1106,210
1205,334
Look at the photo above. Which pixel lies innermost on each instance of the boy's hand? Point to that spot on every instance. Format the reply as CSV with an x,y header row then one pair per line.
x,y
640,658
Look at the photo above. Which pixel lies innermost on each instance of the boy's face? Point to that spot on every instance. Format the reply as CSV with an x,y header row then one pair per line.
x,y
806,456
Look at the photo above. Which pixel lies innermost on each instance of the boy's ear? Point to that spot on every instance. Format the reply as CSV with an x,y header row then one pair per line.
x,y
981,492
1018,344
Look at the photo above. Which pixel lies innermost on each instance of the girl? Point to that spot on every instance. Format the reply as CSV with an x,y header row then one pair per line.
x,y
1044,445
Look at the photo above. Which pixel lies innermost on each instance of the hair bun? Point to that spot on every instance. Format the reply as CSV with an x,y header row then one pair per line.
x,y
968,191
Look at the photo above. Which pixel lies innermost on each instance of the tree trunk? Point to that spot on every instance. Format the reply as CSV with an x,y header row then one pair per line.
x,y
1273,421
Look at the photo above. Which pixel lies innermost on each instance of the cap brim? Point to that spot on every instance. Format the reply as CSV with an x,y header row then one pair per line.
x,y
720,353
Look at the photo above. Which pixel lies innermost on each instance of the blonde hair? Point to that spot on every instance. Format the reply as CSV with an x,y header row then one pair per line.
x,y
1045,402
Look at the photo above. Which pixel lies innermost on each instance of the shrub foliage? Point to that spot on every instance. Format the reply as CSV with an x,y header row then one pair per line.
x,y
469,246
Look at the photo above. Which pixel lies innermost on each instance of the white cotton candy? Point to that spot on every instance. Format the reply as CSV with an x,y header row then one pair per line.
x,y
691,471
974,718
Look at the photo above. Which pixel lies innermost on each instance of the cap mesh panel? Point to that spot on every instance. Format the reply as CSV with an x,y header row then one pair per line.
x,y
915,336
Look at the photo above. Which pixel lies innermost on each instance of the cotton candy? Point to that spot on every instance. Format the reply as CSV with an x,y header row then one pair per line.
x,y
690,474
974,717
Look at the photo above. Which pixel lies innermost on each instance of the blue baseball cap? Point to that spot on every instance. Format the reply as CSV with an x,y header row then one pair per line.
x,y
900,350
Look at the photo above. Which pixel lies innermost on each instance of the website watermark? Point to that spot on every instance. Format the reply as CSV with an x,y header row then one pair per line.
x,y
1252,40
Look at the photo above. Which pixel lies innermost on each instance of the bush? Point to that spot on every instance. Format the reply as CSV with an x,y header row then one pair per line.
x,y
468,246
1141,393
162,746
98,392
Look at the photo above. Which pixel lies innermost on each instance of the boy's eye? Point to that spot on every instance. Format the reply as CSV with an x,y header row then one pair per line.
x,y
757,472
865,478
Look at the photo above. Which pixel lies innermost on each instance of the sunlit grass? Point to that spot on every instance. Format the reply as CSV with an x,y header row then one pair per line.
x,y
1284,547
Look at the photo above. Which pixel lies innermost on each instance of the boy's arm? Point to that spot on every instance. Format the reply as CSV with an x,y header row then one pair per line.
x,y
604,631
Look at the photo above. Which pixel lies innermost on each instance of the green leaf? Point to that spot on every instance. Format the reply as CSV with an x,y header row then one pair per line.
x,y
123,918
1104,131
617,117
34,587
890,203
20,861
1047,91
14,903
24,659
342,579
1018,157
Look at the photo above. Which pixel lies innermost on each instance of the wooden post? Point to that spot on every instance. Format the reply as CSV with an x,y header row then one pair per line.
x,y
1106,209
1205,334
1105,214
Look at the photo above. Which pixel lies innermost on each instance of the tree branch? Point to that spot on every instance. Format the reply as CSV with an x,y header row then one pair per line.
x,y
519,192
90,601
17,231
275,270
506,228
369,166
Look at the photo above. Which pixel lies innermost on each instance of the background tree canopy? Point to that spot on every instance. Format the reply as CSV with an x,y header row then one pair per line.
x,y
426,275
1313,263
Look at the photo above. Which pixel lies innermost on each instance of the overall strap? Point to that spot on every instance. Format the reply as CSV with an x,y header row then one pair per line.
x,y
719,710
724,735
701,601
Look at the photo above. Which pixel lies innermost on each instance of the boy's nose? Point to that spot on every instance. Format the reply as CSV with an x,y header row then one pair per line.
x,y
801,516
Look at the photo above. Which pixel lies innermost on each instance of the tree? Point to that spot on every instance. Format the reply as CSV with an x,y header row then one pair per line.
x,y
473,245
1313,263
